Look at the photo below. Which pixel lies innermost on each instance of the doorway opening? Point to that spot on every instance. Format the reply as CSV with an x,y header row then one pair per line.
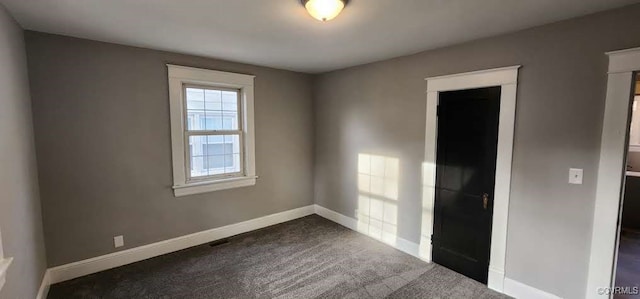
x,y
614,147
627,273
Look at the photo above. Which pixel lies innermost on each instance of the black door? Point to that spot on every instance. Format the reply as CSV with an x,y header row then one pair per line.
x,y
465,179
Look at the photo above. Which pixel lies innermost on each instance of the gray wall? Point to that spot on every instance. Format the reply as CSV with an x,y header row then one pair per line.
x,y
380,108
101,116
20,218
633,161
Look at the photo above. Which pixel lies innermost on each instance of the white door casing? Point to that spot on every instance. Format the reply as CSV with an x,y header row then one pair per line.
x,y
507,78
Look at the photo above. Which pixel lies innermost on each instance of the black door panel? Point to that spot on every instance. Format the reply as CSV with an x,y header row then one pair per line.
x,y
466,165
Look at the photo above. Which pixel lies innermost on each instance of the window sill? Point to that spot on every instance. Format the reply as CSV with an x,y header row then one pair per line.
x,y
204,187
4,266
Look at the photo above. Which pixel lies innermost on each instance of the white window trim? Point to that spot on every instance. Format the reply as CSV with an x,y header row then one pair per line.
x,y
178,77
4,264
507,79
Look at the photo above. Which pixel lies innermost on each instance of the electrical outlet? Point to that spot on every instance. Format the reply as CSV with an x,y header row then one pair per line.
x,y
118,241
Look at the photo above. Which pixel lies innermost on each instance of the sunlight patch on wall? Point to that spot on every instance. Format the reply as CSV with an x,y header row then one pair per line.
x,y
378,196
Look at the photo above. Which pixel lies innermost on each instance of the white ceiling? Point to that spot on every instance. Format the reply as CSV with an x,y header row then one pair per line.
x,y
279,33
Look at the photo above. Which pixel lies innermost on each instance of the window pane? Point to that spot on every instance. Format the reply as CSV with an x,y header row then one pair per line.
x,y
217,149
197,165
233,140
195,145
213,120
215,139
214,154
195,98
219,162
230,120
230,100
212,100
197,161
232,163
195,120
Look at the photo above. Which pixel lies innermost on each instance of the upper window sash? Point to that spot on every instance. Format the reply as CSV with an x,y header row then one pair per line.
x,y
211,112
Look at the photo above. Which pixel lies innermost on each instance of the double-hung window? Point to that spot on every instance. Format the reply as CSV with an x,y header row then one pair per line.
x,y
211,130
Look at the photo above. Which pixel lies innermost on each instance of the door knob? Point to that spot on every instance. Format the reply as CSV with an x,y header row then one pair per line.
x,y
485,200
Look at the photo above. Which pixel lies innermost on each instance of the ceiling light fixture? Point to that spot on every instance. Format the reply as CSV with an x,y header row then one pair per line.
x,y
324,10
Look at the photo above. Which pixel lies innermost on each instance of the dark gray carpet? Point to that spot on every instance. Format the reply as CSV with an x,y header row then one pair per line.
x,y
628,269
309,257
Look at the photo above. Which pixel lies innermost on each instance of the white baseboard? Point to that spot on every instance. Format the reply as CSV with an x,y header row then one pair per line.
x,y
120,258
401,244
44,286
336,217
408,247
520,290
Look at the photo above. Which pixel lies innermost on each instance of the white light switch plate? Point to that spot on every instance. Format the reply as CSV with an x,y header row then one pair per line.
x,y
118,241
575,176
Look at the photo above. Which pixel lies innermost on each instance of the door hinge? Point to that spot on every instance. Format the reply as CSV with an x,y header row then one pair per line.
x,y
438,110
